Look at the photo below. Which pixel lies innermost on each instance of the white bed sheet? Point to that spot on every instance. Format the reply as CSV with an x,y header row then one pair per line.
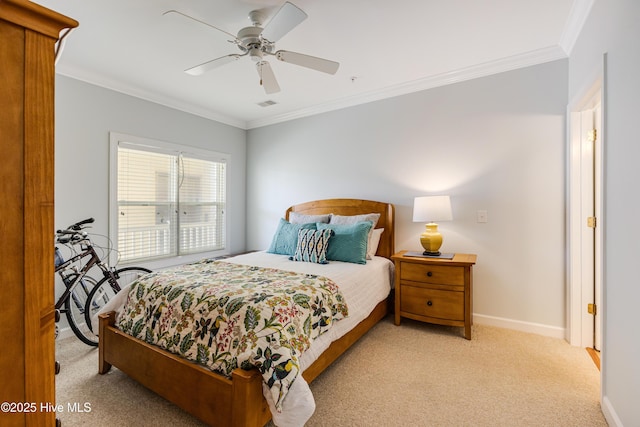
x,y
363,287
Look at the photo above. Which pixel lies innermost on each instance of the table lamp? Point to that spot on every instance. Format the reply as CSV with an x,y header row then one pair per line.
x,y
430,209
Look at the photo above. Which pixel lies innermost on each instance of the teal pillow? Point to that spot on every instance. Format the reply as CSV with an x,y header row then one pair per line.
x,y
285,239
312,246
349,243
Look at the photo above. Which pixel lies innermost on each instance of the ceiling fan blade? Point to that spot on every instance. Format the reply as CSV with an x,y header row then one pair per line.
x,y
171,12
318,64
210,65
267,78
286,19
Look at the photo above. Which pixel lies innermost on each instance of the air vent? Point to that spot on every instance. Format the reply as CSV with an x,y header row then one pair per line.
x,y
268,103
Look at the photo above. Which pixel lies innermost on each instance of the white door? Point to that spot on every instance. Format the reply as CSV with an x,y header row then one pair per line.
x,y
598,243
585,233
591,136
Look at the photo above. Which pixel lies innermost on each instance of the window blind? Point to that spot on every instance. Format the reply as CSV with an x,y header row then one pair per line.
x,y
201,201
169,203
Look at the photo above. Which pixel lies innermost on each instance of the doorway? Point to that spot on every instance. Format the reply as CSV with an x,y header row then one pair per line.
x,y
585,219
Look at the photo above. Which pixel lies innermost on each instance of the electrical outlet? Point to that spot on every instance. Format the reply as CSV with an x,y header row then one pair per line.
x,y
481,216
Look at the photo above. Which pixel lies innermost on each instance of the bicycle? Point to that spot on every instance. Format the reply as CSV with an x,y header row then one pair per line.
x,y
79,285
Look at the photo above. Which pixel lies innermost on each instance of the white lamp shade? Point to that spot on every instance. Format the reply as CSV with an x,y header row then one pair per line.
x,y
432,209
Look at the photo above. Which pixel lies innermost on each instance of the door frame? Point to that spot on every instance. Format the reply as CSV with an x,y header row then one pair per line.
x,y
581,325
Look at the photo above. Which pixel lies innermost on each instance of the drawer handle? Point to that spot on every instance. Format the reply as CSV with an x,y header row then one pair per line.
x,y
429,303
429,273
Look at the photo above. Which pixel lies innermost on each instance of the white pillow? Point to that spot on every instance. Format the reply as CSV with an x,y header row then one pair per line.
x,y
298,218
352,219
374,241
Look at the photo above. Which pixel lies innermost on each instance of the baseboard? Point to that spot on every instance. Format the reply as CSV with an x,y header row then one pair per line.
x,y
518,325
609,413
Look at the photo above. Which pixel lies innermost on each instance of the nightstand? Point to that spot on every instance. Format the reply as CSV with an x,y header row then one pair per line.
x,y
435,290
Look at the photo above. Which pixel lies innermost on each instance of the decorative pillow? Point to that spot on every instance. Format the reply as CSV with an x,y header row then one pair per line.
x,y
374,241
349,244
352,219
285,239
312,246
298,218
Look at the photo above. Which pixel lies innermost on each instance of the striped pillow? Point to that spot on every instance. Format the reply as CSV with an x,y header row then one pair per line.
x,y
312,246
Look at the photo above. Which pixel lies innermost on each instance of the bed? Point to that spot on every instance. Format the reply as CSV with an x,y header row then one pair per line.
x,y
239,400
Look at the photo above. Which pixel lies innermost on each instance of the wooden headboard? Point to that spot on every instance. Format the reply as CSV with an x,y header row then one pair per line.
x,y
355,207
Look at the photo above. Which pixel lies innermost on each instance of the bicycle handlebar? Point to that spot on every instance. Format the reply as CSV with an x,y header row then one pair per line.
x,y
73,233
63,232
76,227
71,237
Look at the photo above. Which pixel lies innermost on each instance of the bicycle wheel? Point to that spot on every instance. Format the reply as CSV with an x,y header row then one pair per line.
x,y
104,291
74,308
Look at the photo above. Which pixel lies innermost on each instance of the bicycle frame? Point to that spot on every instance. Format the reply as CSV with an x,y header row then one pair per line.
x,y
80,287
61,266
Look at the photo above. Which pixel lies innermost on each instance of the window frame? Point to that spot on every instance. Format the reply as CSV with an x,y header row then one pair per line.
x,y
146,144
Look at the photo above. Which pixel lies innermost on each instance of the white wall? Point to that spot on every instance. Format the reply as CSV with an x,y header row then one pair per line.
x,y
612,28
494,143
85,114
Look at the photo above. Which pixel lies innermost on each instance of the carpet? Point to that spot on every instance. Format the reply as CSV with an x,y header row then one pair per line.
x,y
412,375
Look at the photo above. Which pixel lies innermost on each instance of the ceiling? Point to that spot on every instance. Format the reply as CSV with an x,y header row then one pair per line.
x,y
385,48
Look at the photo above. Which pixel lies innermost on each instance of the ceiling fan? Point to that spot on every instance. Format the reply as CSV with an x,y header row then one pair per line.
x,y
258,42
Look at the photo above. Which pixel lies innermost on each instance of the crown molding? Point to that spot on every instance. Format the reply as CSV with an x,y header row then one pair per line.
x,y
117,86
575,21
527,59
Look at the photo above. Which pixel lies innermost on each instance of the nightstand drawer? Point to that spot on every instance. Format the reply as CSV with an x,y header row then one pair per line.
x,y
432,303
440,274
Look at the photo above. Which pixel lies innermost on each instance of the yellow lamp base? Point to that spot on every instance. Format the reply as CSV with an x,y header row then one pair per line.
x,y
431,240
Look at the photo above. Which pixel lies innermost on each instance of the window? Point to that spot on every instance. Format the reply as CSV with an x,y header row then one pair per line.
x,y
168,200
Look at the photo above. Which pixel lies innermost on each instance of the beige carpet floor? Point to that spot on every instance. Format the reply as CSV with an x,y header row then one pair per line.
x,y
412,375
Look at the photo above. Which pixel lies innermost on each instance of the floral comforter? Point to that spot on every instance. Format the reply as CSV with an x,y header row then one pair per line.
x,y
225,315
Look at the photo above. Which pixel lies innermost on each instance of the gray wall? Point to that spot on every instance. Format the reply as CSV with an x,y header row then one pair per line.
x,y
612,28
85,114
496,143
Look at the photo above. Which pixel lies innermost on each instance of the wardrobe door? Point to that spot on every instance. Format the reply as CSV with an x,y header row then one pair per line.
x,y
28,33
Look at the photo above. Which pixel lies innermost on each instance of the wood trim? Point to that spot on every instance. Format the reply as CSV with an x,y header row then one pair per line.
x,y
248,405
12,363
595,356
38,219
34,17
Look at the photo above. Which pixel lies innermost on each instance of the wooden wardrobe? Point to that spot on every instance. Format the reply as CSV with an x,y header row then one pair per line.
x,y
28,33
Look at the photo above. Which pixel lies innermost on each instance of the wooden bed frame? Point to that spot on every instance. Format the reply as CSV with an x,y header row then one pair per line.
x,y
213,398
